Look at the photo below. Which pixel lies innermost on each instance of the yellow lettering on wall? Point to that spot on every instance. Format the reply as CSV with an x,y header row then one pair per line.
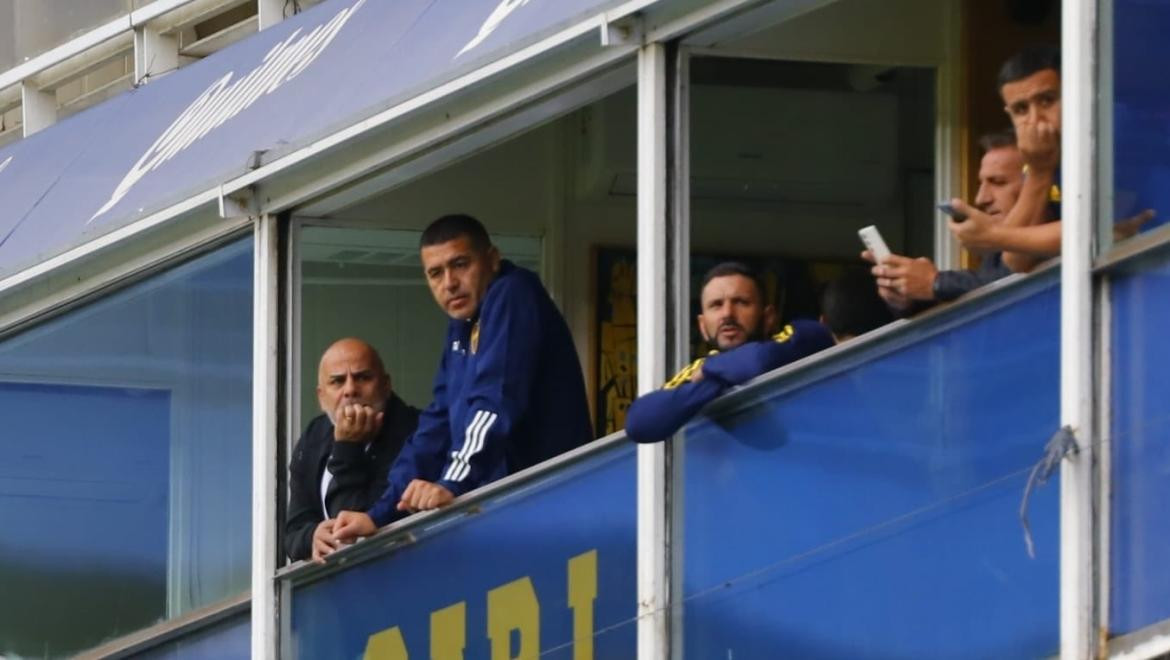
x,y
513,606
386,645
449,632
582,593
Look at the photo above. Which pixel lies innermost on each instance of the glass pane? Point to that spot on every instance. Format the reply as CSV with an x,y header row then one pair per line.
x,y
874,512
1141,94
126,482
226,640
7,35
42,25
551,564
368,283
1141,451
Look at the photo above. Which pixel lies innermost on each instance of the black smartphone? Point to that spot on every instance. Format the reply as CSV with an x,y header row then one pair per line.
x,y
956,214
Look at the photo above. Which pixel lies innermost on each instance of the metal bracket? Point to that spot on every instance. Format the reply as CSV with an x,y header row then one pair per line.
x,y
239,203
625,31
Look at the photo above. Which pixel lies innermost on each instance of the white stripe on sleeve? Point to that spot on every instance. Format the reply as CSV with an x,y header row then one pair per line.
x,y
477,445
458,457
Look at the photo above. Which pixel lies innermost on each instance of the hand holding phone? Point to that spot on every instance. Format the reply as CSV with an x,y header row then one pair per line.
x,y
872,239
956,214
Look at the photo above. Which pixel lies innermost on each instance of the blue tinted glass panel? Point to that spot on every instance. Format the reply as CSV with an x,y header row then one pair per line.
x,y
874,513
230,639
549,556
126,478
1141,125
1141,448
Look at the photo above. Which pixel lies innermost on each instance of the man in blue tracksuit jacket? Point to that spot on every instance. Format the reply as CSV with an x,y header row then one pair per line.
x,y
508,393
735,321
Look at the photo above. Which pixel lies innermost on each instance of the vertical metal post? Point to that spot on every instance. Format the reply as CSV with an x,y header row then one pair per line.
x,y
265,324
653,581
270,12
1078,32
679,259
1103,476
1103,305
154,53
948,119
39,108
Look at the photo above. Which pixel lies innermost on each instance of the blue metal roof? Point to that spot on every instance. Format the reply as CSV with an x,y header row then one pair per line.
x,y
283,88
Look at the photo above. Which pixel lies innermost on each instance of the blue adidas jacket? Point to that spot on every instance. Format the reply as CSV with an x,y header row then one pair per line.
x,y
508,394
659,414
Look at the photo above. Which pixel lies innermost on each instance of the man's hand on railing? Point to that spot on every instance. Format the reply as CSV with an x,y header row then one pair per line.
x,y
351,525
324,543
423,495
1129,227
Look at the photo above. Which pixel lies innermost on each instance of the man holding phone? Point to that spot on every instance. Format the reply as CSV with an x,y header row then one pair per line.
x,y
1029,83
909,285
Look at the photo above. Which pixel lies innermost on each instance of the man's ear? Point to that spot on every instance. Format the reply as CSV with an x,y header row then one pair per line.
x,y
494,258
702,328
321,400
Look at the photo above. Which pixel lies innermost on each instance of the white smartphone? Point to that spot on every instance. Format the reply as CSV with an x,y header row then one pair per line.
x,y
872,239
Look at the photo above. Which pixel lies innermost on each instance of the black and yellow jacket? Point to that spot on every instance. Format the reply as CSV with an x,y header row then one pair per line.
x,y
659,414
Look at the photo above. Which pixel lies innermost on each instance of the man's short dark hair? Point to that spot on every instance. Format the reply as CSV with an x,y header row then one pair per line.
x,y
451,227
997,140
1028,62
735,268
851,305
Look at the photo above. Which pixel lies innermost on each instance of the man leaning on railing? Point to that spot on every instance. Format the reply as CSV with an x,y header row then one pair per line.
x,y
736,323
343,457
508,393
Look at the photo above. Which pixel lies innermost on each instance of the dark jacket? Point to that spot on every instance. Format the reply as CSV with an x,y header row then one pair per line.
x,y
508,394
660,414
950,284
359,475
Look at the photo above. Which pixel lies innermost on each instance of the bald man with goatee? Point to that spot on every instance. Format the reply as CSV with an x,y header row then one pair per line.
x,y
343,457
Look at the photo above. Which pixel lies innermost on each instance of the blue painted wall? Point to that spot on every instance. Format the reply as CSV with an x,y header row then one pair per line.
x,y
532,534
873,514
1141,447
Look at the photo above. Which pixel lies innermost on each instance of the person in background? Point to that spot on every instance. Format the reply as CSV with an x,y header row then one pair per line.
x,y
850,306
342,459
737,324
1029,83
910,285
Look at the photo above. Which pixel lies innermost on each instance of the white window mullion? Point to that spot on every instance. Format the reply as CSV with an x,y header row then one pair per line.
x,y
265,428
1077,527
653,581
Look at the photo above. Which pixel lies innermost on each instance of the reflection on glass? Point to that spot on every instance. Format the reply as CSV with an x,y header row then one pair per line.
x,y
41,25
126,479
874,512
227,639
1140,441
1141,123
